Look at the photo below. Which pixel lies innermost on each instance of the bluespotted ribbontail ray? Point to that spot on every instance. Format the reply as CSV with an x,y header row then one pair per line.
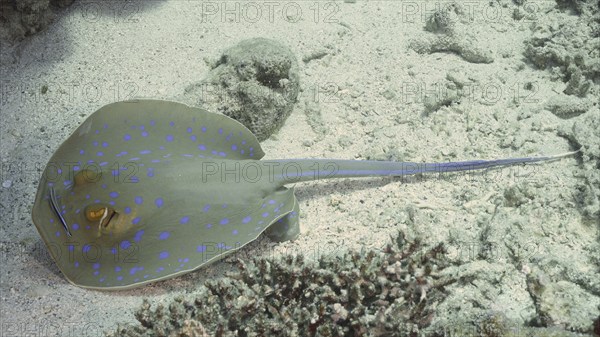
x,y
146,190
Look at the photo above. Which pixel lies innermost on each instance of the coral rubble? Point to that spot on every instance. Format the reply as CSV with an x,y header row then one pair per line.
x,y
387,293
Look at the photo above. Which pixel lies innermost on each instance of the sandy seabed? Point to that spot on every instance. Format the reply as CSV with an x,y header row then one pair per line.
x,y
380,80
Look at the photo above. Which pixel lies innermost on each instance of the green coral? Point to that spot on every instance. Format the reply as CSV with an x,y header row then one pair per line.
x,y
385,293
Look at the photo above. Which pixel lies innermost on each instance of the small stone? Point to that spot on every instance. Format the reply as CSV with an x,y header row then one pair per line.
x,y
389,94
7,183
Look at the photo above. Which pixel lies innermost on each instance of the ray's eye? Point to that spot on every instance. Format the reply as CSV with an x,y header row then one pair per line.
x,y
86,176
101,214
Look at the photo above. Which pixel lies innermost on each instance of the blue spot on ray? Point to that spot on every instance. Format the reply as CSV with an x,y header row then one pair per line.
x,y
125,244
135,270
138,235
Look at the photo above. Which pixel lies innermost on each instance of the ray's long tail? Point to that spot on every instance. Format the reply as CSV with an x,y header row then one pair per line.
x,y
298,170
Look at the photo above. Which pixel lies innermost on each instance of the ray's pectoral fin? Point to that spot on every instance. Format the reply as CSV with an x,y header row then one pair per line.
x,y
287,227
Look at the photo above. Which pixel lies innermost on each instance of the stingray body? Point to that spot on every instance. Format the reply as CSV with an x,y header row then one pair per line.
x,y
146,190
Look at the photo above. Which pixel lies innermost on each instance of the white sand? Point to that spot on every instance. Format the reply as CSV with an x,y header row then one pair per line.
x,y
99,53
